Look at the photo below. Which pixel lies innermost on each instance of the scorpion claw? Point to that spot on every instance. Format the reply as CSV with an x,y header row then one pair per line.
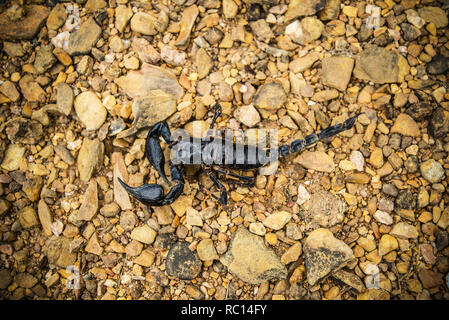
x,y
153,194
149,194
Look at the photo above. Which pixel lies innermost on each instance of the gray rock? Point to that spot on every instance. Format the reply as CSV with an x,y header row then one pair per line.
x,y
337,72
323,209
324,255
44,58
271,96
64,98
140,83
150,109
432,171
183,263
57,250
250,260
82,40
381,66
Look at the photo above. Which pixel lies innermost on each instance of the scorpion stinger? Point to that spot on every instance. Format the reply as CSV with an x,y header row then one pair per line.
x,y
313,138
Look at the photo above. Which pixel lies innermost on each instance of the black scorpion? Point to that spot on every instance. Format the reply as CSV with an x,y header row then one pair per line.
x,y
221,159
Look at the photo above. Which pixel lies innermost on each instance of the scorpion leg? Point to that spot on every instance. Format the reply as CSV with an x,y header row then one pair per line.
x,y
153,148
249,181
223,194
216,115
153,194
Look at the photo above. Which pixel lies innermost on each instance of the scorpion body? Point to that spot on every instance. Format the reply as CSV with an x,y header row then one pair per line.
x,y
217,157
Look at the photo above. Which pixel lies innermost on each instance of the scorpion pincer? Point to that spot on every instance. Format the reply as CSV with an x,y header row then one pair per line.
x,y
222,157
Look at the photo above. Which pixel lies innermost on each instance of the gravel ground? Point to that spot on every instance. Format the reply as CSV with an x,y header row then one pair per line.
x,y
364,215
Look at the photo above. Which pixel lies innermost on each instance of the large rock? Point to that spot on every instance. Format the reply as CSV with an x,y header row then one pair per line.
x,y
82,40
436,15
182,263
438,65
25,280
13,156
28,217
9,90
121,196
381,66
5,278
31,90
271,96
203,63
324,255
404,230
140,83
90,110
150,109
144,234
337,71
144,23
299,8
324,209
186,24
247,115
277,220
301,64
308,30
57,250
250,260
317,160
32,187
26,27
432,171
405,125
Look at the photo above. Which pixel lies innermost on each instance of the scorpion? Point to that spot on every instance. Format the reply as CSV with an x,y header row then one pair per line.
x,y
220,159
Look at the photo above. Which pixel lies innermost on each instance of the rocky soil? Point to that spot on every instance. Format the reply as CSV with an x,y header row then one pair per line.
x,y
364,215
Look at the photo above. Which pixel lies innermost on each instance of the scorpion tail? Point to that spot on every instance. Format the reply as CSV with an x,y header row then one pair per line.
x,y
313,138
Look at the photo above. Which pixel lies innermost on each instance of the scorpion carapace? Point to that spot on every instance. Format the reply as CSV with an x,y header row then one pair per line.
x,y
216,156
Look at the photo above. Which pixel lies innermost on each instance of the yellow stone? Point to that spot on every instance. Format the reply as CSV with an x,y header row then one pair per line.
x,y
15,77
402,267
350,199
271,238
387,244
350,11
431,28
332,293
